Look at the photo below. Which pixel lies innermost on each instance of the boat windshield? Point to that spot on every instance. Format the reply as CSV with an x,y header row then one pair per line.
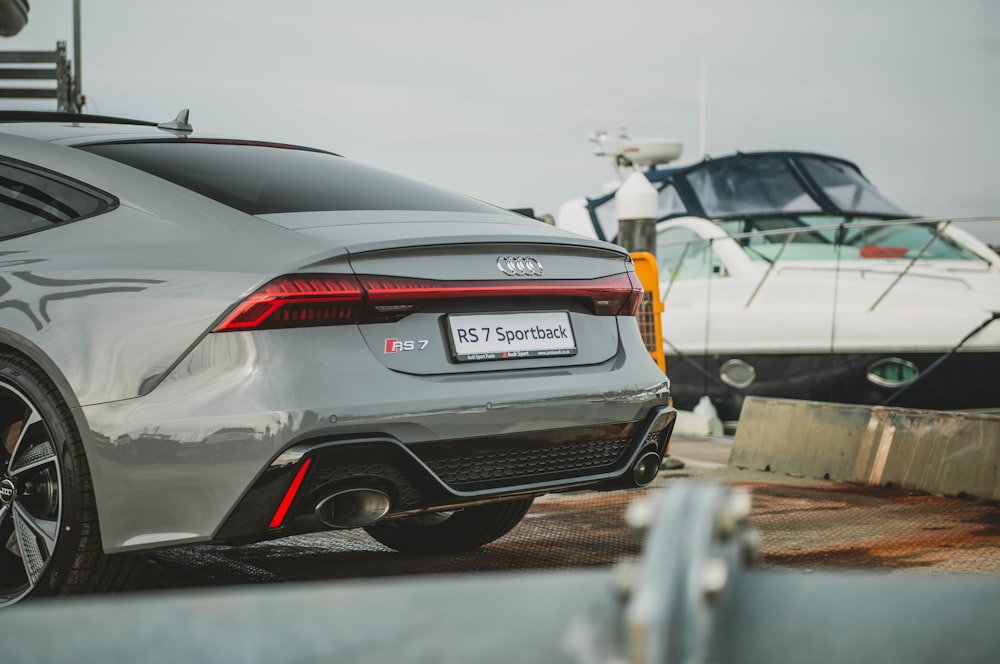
x,y
776,183
759,185
823,237
847,188
750,186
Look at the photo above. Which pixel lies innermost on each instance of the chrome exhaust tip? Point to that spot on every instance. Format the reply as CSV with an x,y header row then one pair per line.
x,y
353,508
646,468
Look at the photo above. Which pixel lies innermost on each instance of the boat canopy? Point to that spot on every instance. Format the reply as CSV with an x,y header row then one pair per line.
x,y
750,185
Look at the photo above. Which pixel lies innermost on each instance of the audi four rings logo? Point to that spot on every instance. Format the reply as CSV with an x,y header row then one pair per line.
x,y
6,492
520,266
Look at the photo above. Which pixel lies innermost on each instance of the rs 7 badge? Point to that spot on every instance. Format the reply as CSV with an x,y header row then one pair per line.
x,y
401,345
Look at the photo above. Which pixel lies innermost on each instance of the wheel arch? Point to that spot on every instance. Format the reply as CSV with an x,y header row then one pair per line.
x,y
19,345
51,505
16,344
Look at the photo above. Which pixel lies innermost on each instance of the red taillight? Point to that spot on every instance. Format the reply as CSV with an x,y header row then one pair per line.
x,y
630,304
286,502
618,294
298,300
310,299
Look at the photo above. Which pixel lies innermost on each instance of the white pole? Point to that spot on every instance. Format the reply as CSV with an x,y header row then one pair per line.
x,y
77,68
636,202
701,104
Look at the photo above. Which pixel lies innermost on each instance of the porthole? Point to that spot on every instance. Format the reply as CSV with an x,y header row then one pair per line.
x,y
737,373
892,372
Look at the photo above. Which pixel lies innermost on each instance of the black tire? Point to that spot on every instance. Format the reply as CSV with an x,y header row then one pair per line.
x,y
50,543
445,532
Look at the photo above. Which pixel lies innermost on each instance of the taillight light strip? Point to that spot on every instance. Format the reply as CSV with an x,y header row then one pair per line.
x,y
302,300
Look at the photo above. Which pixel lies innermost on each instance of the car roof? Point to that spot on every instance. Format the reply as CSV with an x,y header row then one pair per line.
x,y
74,127
78,129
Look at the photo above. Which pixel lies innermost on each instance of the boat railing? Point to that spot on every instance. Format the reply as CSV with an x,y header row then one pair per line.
x,y
786,236
840,259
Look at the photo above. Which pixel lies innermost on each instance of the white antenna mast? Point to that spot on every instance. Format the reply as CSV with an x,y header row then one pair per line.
x,y
701,104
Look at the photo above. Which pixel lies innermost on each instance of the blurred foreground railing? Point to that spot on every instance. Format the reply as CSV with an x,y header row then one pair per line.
x,y
693,597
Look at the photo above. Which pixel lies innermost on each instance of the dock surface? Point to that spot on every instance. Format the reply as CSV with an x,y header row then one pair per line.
x,y
805,523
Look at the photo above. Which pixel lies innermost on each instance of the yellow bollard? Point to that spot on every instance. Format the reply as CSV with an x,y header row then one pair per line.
x,y
651,307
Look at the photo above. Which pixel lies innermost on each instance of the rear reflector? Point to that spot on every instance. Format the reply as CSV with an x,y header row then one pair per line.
x,y
305,300
286,502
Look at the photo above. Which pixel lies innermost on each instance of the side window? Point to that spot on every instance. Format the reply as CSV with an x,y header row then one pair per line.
x,y
682,254
30,201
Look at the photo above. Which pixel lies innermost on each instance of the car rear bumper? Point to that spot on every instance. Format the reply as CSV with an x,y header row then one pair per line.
x,y
164,475
446,474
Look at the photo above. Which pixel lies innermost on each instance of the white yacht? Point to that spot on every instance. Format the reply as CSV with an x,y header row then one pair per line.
x,y
787,274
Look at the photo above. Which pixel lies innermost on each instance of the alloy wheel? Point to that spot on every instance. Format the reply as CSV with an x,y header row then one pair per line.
x,y
30,496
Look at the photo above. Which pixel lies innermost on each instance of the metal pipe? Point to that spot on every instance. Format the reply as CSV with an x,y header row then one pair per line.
x,y
353,508
646,468
770,268
906,270
76,102
674,272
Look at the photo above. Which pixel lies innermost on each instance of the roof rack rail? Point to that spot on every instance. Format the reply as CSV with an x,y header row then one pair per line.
x,y
60,116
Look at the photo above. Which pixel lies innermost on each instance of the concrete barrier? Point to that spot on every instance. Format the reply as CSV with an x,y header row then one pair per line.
x,y
948,453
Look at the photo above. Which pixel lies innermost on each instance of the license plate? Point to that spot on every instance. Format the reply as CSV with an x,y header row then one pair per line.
x,y
478,337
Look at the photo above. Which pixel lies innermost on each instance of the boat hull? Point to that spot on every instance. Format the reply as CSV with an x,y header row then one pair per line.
x,y
960,381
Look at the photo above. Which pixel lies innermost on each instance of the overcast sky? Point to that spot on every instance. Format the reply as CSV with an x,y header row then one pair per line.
x,y
497,99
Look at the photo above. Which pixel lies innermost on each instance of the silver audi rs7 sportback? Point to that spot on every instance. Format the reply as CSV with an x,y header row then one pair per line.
x,y
216,340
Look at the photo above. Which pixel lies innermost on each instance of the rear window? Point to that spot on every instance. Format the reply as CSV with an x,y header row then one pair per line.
x,y
265,179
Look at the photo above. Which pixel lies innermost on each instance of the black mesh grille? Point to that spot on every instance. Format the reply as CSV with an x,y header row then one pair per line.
x,y
655,438
583,458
